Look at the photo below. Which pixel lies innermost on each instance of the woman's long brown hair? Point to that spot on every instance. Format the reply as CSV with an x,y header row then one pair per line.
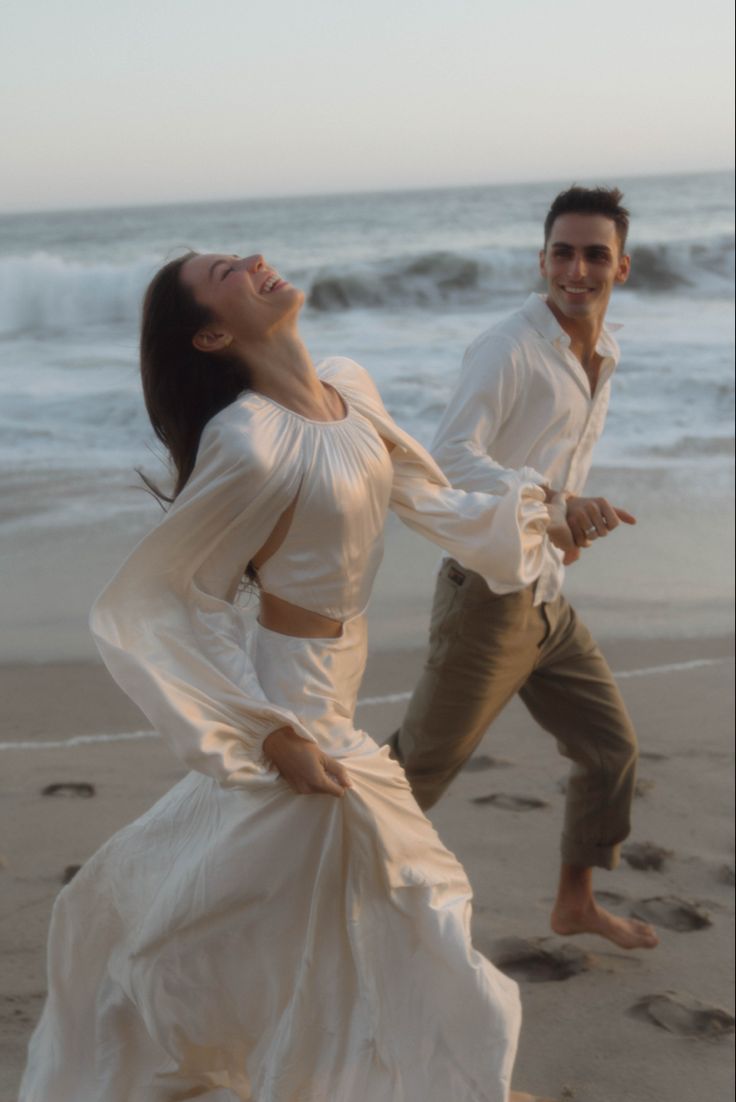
x,y
182,387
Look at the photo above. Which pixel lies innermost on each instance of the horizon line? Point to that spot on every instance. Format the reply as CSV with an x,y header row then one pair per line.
x,y
224,201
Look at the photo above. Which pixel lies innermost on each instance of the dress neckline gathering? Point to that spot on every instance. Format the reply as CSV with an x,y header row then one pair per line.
x,y
300,416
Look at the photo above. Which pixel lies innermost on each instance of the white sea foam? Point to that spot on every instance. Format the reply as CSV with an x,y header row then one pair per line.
x,y
400,282
46,293
42,292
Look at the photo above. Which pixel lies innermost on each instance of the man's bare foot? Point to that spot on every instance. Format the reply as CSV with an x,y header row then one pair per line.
x,y
627,933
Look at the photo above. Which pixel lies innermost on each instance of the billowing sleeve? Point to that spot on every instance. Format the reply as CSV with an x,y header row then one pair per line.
x,y
167,626
499,534
484,397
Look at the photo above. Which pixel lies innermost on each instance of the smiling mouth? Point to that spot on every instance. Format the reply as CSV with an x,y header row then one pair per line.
x,y
576,290
274,282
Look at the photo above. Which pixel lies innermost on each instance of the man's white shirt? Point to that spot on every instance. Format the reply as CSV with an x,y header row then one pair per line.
x,y
523,403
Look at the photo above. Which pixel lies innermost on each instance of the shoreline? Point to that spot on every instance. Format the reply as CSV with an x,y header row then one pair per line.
x,y
89,705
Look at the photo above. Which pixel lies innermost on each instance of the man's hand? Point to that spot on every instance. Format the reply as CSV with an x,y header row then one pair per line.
x,y
558,530
592,517
304,767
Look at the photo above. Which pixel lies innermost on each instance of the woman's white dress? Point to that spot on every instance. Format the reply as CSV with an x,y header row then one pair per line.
x,y
238,942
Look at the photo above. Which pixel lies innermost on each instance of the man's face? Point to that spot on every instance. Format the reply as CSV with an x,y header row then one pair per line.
x,y
581,263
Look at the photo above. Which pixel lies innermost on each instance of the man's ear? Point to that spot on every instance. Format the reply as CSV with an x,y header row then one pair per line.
x,y
543,262
624,268
211,340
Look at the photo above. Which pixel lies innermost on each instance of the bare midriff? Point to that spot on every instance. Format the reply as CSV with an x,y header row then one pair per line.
x,y
288,619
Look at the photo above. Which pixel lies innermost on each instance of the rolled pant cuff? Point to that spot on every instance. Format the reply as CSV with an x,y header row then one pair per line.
x,y
589,855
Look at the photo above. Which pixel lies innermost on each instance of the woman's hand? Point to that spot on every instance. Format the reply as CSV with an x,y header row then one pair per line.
x,y
304,767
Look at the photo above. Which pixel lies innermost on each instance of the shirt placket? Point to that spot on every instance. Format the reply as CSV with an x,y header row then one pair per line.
x,y
549,581
577,379
597,403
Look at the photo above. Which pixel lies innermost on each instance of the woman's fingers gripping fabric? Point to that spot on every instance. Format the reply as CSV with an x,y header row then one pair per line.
x,y
337,771
305,768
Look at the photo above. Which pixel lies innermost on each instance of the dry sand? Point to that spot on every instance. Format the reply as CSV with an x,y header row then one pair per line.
x,y
590,1032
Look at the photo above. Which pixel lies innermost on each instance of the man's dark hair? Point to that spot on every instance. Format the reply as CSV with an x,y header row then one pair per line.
x,y
595,200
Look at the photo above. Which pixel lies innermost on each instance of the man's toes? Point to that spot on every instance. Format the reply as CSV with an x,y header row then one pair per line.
x,y
644,928
644,933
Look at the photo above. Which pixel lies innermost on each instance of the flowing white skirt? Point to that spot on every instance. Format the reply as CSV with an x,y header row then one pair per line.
x,y
253,945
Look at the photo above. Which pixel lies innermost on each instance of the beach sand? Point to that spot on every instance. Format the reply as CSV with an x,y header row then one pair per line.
x,y
657,597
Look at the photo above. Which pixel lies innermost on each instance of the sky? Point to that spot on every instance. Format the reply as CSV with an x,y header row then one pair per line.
x,y
106,103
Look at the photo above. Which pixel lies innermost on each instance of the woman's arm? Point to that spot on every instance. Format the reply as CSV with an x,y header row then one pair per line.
x,y
166,625
500,535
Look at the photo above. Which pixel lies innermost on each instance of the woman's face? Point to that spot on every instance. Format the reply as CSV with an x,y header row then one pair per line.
x,y
246,297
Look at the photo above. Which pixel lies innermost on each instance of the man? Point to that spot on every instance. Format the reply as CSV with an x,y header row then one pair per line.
x,y
533,394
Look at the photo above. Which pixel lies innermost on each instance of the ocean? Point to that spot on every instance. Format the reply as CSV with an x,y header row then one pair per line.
x,y
399,281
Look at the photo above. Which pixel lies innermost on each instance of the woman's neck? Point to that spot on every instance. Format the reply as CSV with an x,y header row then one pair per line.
x,y
281,368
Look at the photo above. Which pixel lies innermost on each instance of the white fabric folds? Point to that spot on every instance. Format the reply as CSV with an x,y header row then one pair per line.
x,y
239,942
166,625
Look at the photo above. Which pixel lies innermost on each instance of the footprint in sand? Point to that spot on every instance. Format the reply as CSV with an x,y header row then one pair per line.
x,y
481,762
533,960
672,913
683,1014
510,803
20,1009
726,875
645,856
69,873
70,789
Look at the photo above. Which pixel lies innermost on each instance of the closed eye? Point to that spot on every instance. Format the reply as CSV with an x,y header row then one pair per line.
x,y
217,264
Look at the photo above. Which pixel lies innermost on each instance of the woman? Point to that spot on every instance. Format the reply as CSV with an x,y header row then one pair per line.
x,y
239,943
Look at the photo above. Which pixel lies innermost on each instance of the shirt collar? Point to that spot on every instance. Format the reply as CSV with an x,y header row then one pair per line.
x,y
540,317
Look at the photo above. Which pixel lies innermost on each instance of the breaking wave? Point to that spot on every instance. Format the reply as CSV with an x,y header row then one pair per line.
x,y
43,293
432,279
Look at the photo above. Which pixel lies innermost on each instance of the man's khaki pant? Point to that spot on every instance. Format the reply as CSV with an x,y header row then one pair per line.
x,y
484,649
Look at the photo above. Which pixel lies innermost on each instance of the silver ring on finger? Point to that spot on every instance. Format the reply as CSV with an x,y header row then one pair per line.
x,y
590,531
